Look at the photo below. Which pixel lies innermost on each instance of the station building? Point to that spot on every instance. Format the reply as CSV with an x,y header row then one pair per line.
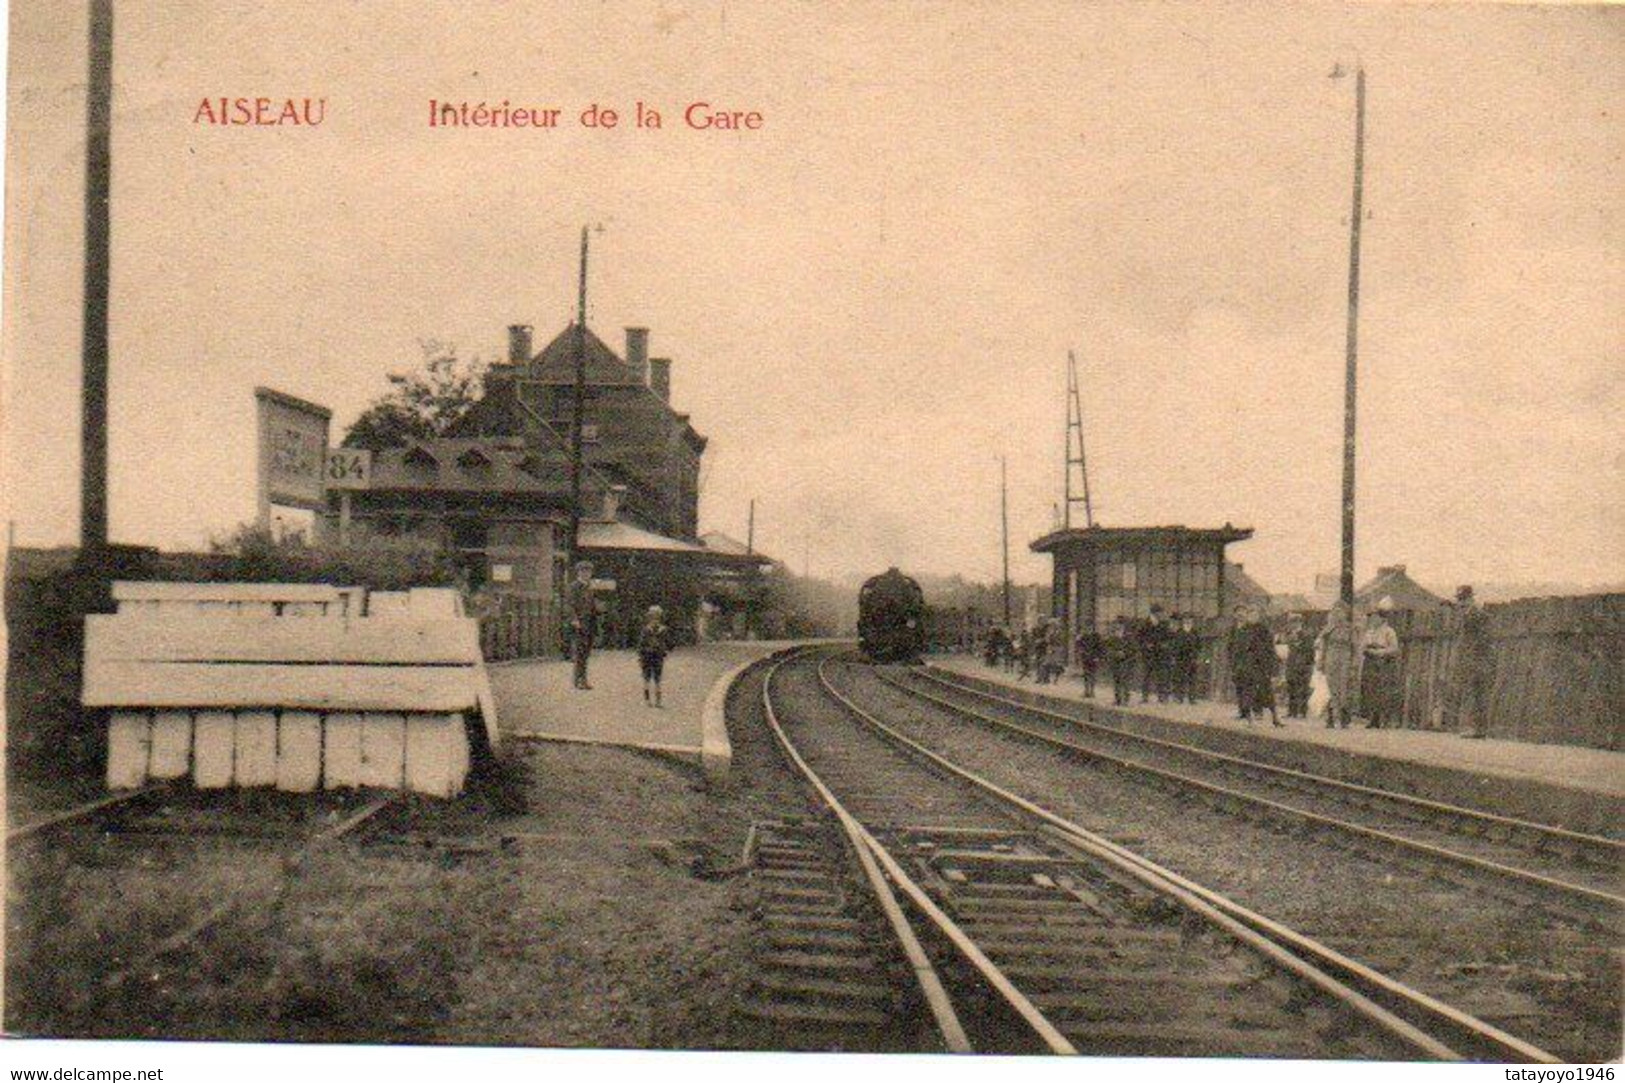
x,y
496,487
1102,573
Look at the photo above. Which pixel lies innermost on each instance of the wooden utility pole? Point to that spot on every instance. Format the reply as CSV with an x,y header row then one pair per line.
x,y
1004,533
1346,581
577,408
98,243
750,530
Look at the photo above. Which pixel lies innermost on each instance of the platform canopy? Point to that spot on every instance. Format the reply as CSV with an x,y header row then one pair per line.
x,y
1132,535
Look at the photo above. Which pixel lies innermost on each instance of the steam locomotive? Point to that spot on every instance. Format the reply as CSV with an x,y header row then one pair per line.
x,y
891,618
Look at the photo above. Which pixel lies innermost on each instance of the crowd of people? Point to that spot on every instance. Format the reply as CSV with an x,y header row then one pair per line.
x,y
1162,656
1346,669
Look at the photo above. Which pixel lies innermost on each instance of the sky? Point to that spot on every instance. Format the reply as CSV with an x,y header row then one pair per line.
x,y
869,300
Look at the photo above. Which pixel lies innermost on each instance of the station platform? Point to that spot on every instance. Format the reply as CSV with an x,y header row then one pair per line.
x,y
1579,788
536,699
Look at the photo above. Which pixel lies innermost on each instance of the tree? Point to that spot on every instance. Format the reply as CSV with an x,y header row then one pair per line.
x,y
423,403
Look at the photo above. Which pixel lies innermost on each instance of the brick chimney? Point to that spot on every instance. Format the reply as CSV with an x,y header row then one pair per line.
x,y
660,377
519,348
637,352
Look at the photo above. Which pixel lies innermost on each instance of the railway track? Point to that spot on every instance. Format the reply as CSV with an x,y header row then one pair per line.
x,y
266,839
1568,873
1065,941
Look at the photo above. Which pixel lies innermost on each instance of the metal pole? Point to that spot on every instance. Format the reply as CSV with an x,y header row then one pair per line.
x,y
1346,582
98,237
1004,533
577,408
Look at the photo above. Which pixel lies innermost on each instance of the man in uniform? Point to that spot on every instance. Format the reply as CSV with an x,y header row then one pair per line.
x,y
582,609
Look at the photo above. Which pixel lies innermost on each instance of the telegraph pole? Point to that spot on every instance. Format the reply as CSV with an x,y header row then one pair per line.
x,y
98,245
750,529
1004,533
1346,581
577,408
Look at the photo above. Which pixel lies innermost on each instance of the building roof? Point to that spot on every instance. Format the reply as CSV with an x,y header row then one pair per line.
x,y
1392,582
487,464
718,542
1138,535
624,537
1240,587
1293,603
556,363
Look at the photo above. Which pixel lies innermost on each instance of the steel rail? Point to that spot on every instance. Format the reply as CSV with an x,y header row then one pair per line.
x,y
1613,846
1593,898
80,812
1479,1032
865,844
217,913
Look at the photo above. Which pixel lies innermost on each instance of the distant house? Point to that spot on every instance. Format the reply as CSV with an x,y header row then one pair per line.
x,y
1293,603
1406,593
1242,589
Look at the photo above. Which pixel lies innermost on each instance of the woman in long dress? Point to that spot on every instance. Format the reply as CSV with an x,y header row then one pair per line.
x,y
1339,660
1381,697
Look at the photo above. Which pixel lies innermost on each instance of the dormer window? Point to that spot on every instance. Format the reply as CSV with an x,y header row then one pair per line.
x,y
419,458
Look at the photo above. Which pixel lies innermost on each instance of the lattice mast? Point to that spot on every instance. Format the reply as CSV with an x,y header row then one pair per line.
x,y
1077,467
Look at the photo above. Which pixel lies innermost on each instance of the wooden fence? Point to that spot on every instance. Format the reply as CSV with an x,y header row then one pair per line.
x,y
514,626
1557,670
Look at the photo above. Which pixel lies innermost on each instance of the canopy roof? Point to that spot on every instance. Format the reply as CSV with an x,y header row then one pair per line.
x,y
1135,536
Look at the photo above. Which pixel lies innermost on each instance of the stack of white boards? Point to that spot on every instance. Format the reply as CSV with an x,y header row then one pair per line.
x,y
287,685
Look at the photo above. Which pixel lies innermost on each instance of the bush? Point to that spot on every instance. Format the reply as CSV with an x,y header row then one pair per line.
x,y
251,554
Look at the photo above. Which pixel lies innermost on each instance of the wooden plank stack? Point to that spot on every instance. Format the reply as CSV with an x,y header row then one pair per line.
x,y
287,686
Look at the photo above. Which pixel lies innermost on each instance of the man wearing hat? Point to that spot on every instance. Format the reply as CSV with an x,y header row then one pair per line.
x,y
1475,663
582,610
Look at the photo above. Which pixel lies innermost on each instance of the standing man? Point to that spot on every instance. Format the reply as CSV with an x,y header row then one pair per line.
x,y
1038,644
1476,664
1185,649
1300,666
583,616
1091,650
1120,652
1253,662
1154,650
